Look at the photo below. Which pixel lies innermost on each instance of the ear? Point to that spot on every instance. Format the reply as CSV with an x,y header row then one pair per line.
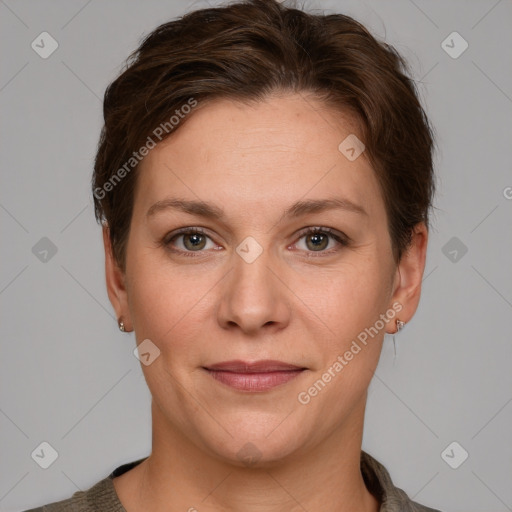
x,y
115,279
408,277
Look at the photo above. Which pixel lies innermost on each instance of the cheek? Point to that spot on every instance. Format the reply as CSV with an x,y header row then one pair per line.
x,y
349,308
167,303
345,300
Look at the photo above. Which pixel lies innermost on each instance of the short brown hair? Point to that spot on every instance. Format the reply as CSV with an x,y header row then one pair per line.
x,y
246,51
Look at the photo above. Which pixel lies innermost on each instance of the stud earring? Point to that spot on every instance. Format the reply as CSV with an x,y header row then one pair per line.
x,y
120,323
399,326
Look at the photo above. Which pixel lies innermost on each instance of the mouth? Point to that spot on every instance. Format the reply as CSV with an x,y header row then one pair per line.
x,y
256,376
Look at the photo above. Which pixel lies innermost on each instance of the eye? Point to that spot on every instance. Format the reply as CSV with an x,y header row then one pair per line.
x,y
317,240
193,240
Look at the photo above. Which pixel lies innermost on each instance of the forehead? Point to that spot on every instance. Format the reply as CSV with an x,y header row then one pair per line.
x,y
272,152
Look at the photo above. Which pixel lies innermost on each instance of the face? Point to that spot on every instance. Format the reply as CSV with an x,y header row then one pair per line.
x,y
266,278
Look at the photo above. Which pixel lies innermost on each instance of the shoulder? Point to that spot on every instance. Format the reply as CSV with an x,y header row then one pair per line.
x,y
100,496
400,502
379,483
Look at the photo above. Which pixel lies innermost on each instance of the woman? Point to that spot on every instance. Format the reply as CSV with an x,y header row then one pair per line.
x,y
264,179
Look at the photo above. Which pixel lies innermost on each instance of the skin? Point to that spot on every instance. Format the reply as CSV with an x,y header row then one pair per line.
x,y
293,303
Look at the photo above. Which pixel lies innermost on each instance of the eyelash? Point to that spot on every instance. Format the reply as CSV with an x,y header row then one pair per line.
x,y
342,239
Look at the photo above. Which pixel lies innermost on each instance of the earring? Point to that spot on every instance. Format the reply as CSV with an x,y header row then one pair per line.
x,y
399,326
120,323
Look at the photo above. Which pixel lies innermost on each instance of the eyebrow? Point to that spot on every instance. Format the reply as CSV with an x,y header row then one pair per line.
x,y
300,208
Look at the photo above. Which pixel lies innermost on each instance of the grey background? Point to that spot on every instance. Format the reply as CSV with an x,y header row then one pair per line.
x,y
69,377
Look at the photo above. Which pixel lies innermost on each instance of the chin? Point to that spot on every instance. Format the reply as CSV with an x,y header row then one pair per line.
x,y
256,453
256,443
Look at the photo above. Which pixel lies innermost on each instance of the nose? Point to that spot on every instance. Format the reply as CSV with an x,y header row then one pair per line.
x,y
254,296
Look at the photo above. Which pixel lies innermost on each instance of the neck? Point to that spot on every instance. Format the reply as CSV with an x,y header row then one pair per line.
x,y
179,476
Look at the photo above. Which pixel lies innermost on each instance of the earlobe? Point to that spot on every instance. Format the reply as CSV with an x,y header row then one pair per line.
x,y
115,281
409,276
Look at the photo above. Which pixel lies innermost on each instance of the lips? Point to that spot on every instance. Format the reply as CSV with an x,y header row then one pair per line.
x,y
256,376
263,366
